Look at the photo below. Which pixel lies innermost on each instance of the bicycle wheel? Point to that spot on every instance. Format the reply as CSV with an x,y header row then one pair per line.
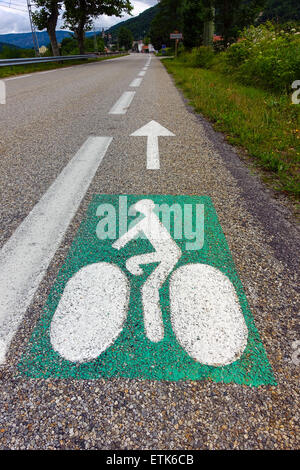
x,y
91,312
206,316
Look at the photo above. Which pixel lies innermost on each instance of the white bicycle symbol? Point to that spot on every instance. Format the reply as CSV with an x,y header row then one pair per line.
x,y
205,313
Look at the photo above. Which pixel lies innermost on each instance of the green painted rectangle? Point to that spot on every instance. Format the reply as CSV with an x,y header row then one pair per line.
x,y
133,355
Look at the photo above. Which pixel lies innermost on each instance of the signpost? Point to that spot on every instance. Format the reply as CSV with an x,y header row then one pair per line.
x,y
177,36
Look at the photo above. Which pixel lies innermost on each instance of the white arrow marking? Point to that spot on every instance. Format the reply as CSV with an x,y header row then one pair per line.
x,y
26,256
153,130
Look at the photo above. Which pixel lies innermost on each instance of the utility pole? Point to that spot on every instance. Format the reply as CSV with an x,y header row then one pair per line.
x,y
33,31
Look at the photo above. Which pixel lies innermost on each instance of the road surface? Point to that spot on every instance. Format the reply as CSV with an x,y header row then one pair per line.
x,y
67,138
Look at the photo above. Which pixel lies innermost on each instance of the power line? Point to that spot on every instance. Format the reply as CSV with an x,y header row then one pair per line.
x,y
33,30
11,7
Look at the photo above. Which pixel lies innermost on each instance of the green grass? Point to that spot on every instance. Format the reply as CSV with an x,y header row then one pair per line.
x,y
30,68
265,125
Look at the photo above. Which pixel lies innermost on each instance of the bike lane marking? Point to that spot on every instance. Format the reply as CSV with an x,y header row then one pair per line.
x,y
26,256
123,103
131,353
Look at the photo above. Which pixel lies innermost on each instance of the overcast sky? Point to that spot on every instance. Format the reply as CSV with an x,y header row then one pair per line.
x,y
14,18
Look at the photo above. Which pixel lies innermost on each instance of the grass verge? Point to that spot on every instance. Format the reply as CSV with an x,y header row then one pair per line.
x,y
30,68
265,125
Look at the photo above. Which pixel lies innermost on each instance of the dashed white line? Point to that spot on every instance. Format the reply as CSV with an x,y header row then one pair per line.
x,y
123,103
141,74
136,82
26,256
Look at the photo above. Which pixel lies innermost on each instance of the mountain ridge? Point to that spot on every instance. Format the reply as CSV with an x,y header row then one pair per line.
x,y
138,25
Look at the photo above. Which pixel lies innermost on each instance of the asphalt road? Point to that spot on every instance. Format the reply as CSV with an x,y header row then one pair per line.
x,y
48,117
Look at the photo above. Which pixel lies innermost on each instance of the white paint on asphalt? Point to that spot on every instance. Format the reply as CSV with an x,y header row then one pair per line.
x,y
2,92
206,316
26,256
166,253
55,70
91,312
136,82
152,131
141,74
18,77
123,103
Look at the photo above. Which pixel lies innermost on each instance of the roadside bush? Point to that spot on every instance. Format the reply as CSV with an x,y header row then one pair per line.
x,y
264,57
10,52
202,56
167,51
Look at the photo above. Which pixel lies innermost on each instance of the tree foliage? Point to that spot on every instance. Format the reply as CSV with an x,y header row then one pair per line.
x,y
125,38
46,17
168,19
282,11
79,15
189,17
193,22
139,25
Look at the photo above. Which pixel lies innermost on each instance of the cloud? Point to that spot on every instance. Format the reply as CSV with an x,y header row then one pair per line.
x,y
13,21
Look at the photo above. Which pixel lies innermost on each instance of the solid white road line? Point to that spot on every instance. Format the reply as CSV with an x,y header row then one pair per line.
x,y
16,78
54,70
136,82
122,105
26,256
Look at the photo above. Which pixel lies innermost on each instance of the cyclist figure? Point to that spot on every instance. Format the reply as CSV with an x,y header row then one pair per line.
x,y
167,253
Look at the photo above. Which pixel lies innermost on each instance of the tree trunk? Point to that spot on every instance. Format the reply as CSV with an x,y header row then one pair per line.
x,y
80,39
51,26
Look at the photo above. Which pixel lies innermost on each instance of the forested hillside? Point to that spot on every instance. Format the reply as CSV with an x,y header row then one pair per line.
x,y
139,26
6,45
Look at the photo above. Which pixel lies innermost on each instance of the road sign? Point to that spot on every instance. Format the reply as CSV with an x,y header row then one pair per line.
x,y
149,290
176,36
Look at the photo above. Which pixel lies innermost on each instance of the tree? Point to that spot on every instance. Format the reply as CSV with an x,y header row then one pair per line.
x,y
229,16
282,11
79,15
125,38
46,17
232,16
168,19
193,23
